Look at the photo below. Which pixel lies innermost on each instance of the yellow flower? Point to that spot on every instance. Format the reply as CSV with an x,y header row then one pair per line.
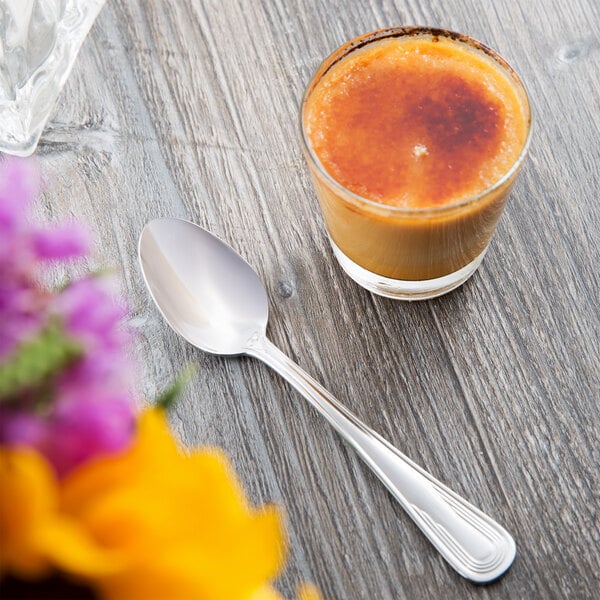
x,y
34,535
151,522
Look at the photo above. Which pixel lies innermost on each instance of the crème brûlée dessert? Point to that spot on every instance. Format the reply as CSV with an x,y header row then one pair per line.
x,y
413,139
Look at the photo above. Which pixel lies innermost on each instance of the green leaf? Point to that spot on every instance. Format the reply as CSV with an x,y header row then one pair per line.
x,y
92,274
168,397
36,361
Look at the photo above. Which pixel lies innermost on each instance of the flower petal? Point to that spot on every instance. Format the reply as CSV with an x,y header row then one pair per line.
x,y
67,240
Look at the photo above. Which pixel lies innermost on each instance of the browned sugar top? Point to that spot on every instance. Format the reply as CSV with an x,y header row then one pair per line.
x,y
416,122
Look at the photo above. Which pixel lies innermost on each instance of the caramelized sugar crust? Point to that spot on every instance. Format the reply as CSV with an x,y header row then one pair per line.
x,y
416,122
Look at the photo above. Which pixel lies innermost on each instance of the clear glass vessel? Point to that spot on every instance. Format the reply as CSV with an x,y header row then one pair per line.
x,y
410,253
39,41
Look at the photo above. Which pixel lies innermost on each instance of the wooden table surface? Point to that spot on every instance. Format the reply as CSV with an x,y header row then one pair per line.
x,y
189,109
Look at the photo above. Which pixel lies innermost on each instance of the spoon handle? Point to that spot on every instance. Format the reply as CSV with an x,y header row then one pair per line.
x,y
473,543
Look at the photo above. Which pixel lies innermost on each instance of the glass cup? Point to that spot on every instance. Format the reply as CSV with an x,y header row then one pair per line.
x,y
410,253
39,42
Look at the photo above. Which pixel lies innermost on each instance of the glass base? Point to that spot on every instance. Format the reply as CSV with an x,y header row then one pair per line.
x,y
406,289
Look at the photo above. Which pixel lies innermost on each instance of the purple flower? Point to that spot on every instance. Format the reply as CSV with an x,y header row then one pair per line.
x,y
85,408
19,185
22,246
68,240
21,312
76,430
21,428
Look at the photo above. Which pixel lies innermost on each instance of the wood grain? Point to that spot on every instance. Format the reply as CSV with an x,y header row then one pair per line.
x,y
190,109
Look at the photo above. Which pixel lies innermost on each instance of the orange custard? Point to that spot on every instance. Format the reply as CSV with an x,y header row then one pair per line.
x,y
425,125
414,122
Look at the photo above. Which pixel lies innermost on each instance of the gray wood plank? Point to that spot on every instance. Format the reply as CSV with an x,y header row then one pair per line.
x,y
190,109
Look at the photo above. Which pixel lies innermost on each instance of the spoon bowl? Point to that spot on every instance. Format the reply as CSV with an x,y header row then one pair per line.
x,y
214,299
204,289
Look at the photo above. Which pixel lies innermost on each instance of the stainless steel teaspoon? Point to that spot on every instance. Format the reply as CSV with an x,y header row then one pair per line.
x,y
215,300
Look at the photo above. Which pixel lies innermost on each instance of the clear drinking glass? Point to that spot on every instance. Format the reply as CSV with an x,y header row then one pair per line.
x,y
409,253
39,41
